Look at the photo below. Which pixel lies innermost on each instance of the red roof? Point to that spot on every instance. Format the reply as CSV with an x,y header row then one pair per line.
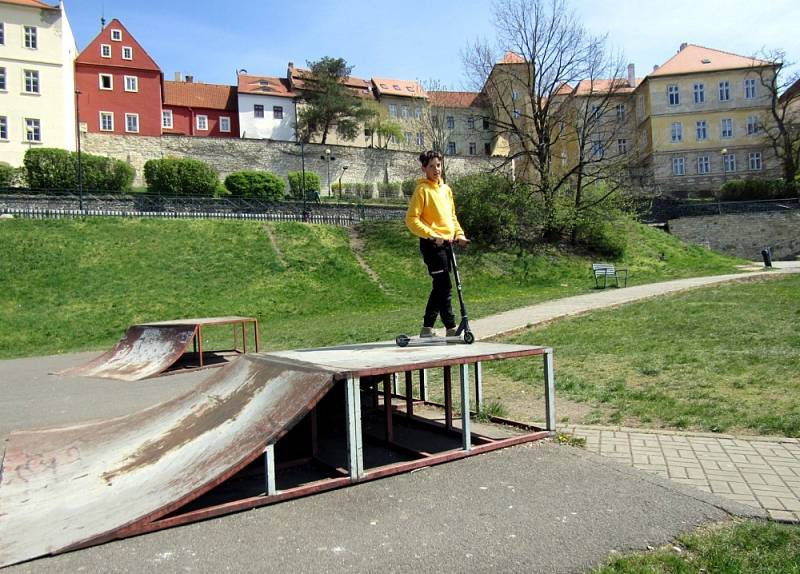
x,y
31,3
603,86
457,99
512,58
199,95
265,85
403,88
301,79
692,58
91,53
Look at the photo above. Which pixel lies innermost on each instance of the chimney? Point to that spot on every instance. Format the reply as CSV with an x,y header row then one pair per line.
x,y
177,76
631,75
189,79
683,45
655,67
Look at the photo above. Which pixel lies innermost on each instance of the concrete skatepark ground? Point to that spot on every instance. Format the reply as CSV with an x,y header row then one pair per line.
x,y
538,507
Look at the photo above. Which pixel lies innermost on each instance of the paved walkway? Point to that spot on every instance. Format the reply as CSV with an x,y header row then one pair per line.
x,y
758,471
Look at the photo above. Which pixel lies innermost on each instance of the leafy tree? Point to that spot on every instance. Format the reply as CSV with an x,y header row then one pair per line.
x,y
330,104
382,128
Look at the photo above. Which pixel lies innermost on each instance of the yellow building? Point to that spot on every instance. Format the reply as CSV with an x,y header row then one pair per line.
x,y
458,120
699,121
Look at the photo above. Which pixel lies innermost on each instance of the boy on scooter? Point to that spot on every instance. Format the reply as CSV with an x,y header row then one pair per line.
x,y
432,217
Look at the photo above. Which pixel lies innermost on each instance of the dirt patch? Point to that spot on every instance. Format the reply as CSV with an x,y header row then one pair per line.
x,y
278,253
357,245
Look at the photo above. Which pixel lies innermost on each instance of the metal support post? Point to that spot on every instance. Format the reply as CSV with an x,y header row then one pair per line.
x,y
549,391
269,469
423,384
448,398
478,387
466,432
355,450
409,396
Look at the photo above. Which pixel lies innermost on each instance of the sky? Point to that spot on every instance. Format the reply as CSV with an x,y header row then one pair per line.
x,y
414,39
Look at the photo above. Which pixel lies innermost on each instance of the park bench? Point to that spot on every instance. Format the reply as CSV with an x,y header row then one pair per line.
x,y
606,271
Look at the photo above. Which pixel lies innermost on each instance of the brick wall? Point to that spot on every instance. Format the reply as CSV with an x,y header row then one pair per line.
x,y
230,155
743,235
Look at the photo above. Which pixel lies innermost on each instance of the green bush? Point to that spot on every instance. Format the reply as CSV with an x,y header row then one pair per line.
x,y
52,168
408,186
261,184
758,189
486,206
296,179
11,176
181,176
389,189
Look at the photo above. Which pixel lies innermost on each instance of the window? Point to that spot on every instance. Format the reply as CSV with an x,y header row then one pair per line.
x,y
677,132
132,123
127,53
754,158
202,122
403,112
418,113
451,148
435,120
3,85
471,123
622,146
105,50
31,82
258,110
106,121
131,84
2,34
673,95
724,91
517,114
451,122
486,123
597,149
3,128
106,81
726,128
277,112
116,35
420,139
640,107
224,124
729,162
514,95
166,119
752,125
678,166
703,164
595,112
621,112
392,110
699,93
750,88
33,130
487,148
30,37
473,148
407,138
701,128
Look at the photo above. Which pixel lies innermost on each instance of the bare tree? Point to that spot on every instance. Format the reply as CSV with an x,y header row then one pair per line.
x,y
558,131
782,130
432,122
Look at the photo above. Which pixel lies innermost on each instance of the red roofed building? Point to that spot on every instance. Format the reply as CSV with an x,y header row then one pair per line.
x,y
119,85
197,109
461,122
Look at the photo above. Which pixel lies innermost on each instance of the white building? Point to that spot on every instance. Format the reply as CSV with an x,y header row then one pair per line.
x,y
37,81
266,108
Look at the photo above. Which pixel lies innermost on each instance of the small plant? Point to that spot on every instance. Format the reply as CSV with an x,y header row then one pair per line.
x,y
491,409
570,440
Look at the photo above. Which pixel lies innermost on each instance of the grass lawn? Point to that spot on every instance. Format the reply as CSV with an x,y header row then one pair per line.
x,y
732,548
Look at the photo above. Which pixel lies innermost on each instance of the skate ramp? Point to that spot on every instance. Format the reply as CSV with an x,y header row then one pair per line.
x,y
70,487
152,348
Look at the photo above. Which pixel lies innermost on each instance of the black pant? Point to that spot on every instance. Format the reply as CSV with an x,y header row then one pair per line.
x,y
439,301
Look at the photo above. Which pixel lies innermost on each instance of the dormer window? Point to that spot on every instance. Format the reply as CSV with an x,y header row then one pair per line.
x,y
396,87
105,50
116,35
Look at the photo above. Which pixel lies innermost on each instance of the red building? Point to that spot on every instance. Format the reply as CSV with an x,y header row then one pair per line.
x,y
197,109
119,85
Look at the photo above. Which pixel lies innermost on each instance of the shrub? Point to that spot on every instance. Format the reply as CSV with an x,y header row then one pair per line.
x,y
52,168
389,189
408,186
758,189
11,176
261,184
181,176
486,208
296,179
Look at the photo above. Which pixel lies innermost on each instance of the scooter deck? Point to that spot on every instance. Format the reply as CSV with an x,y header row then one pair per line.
x,y
406,341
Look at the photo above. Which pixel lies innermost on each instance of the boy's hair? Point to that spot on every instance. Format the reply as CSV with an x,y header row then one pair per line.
x,y
426,157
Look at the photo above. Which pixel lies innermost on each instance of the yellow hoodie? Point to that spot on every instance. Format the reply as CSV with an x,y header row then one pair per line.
x,y
432,213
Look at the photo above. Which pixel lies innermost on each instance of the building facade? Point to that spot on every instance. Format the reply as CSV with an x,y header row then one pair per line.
x,y
37,89
459,121
266,108
119,85
197,109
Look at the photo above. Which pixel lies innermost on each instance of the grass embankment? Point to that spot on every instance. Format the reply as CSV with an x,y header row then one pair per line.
x,y
74,285
737,548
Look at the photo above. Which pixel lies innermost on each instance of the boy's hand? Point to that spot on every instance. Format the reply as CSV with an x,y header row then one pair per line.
x,y
438,241
462,241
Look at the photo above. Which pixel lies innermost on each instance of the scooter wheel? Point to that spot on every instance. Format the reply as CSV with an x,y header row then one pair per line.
x,y
402,340
469,338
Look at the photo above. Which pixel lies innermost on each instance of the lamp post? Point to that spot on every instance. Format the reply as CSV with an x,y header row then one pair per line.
x,y
78,132
303,178
344,169
328,159
723,152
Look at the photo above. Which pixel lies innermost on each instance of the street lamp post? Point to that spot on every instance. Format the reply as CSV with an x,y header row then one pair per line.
x,y
328,159
344,169
303,178
78,132
723,152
